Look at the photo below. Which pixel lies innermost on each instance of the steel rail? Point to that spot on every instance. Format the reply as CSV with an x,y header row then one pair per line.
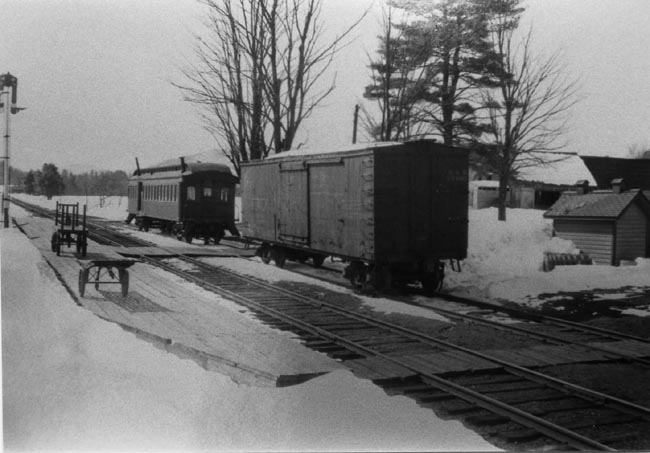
x,y
549,429
538,335
558,384
526,315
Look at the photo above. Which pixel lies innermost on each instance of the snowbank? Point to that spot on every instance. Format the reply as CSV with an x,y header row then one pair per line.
x,y
75,382
505,258
111,208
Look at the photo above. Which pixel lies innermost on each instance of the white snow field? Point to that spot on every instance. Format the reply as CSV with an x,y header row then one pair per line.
x,y
75,382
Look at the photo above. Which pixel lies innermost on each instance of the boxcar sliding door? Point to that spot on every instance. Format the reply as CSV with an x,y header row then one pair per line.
x,y
293,212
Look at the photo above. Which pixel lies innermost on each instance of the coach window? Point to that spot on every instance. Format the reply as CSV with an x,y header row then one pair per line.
x,y
191,193
207,191
224,194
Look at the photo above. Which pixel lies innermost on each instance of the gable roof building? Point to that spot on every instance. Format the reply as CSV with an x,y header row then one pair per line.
x,y
609,226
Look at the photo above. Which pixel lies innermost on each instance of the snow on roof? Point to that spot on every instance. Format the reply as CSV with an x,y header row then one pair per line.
x,y
333,150
595,204
566,172
205,157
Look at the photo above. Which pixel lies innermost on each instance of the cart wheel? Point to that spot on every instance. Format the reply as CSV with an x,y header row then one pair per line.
x,y
83,279
124,281
265,254
81,245
55,241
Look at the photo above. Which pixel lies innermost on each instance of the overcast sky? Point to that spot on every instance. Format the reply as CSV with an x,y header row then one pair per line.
x,y
95,76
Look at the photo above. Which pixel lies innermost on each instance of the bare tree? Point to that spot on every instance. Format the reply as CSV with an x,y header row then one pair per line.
x,y
227,80
259,72
527,109
638,151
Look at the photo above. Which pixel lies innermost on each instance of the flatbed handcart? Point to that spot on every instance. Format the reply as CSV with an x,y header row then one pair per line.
x,y
93,271
71,228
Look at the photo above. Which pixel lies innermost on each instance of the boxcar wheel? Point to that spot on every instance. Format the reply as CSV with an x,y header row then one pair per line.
x,y
280,257
318,260
188,237
432,281
265,253
218,236
356,273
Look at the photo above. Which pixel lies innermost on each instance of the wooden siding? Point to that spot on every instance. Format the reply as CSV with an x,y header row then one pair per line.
x,y
421,198
260,185
293,213
631,234
341,207
595,238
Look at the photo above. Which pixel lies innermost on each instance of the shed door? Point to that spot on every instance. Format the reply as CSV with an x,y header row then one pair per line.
x,y
293,217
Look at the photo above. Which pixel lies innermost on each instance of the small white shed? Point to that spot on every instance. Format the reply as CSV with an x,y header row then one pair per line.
x,y
485,193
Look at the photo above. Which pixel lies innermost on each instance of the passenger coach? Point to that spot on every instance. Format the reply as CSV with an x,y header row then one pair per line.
x,y
188,200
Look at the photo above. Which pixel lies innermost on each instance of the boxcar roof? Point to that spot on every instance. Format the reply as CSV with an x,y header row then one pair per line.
x,y
601,205
333,150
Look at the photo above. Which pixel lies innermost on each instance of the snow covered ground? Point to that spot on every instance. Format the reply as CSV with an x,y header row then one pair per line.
x,y
73,381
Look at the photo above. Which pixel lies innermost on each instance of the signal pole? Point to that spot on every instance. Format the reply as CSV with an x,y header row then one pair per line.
x,y
11,83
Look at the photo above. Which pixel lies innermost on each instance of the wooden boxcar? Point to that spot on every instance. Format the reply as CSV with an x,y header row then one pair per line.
x,y
185,199
394,211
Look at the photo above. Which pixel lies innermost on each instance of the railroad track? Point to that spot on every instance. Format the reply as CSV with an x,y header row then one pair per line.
x,y
511,405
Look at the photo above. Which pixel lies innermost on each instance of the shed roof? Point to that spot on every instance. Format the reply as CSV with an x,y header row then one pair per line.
x,y
594,205
563,173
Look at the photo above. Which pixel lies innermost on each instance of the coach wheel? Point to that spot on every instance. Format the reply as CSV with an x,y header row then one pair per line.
x,y
318,260
145,225
280,257
83,279
124,281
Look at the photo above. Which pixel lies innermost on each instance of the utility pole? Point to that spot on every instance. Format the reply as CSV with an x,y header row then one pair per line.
x,y
355,122
11,83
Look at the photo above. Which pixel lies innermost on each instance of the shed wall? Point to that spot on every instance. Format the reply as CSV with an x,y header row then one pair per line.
x,y
595,238
631,234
